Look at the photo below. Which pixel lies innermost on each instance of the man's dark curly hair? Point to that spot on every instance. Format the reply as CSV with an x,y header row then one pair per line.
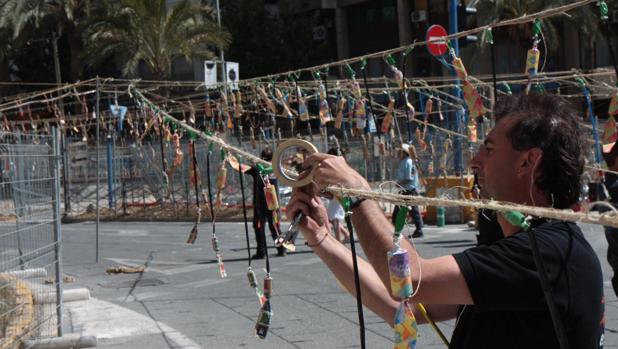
x,y
550,123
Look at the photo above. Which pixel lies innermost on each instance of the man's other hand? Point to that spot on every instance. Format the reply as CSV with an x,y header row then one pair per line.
x,y
315,223
334,171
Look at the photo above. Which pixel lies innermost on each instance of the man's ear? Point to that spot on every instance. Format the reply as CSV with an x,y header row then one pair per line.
x,y
529,162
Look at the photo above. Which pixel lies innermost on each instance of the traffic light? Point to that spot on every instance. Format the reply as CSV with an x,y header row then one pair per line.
x,y
466,19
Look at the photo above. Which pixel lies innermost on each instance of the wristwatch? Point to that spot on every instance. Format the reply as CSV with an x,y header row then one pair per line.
x,y
355,202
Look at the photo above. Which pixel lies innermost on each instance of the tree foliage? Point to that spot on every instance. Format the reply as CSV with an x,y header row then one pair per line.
x,y
586,18
145,30
29,20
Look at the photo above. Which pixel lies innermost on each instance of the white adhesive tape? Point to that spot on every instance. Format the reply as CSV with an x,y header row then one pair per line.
x,y
279,172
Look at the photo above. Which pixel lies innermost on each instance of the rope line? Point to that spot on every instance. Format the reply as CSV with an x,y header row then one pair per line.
x,y
608,218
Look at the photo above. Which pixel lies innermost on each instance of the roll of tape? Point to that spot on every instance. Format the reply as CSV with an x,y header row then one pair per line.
x,y
279,172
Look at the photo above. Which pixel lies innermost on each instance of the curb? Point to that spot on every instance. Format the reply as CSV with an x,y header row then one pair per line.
x,y
28,273
71,340
77,294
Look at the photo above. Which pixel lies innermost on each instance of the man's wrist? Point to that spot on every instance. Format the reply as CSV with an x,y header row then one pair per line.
x,y
316,238
355,202
318,241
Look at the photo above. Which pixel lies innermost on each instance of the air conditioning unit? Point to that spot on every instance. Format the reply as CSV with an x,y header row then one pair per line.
x,y
418,16
319,32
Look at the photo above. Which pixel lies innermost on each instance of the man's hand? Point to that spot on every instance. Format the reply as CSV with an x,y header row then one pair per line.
x,y
315,223
334,171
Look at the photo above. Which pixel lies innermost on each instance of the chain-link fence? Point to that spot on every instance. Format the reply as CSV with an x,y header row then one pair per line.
x,y
30,286
132,183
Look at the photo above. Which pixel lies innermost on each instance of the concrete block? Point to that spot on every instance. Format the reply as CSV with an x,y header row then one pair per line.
x,y
71,340
78,294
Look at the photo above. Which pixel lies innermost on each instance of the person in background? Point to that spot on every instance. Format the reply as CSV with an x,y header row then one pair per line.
x,y
336,214
261,214
407,178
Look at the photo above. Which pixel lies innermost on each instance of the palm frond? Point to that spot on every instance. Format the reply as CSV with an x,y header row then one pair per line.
x,y
144,30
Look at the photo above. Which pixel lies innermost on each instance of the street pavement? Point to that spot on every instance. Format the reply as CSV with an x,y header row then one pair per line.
x,y
181,302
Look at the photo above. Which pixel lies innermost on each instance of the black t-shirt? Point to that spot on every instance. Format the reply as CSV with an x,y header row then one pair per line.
x,y
489,228
509,308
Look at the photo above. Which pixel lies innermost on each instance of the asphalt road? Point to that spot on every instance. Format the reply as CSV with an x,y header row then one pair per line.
x,y
181,301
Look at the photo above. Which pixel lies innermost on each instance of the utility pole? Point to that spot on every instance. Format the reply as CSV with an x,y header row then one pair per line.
x,y
454,28
223,65
63,140
98,185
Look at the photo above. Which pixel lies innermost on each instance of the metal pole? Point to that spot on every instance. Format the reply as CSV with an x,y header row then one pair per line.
x,y
66,177
117,170
493,70
57,228
329,110
453,24
110,173
19,159
454,28
98,97
223,65
57,69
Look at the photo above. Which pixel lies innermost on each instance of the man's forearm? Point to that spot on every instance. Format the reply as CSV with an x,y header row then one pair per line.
x,y
442,281
375,296
375,233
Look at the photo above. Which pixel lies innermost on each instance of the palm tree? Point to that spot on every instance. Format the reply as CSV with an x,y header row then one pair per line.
x,y
70,17
513,41
145,30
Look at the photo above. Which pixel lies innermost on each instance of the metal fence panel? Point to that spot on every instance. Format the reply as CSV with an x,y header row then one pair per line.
x,y
29,248
133,184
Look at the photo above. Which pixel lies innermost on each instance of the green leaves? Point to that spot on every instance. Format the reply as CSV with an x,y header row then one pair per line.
x,y
145,30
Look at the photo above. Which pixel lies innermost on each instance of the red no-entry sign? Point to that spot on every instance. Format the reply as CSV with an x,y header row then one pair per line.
x,y
435,32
